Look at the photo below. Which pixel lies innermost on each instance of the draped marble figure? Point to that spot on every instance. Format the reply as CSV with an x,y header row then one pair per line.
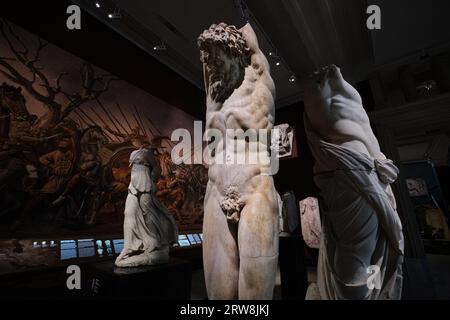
x,y
240,227
361,249
149,229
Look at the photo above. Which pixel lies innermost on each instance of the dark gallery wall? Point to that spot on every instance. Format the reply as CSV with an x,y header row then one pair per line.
x,y
296,174
443,173
106,49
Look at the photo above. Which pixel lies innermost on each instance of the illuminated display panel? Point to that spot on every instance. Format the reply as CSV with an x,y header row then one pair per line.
x,y
197,238
86,248
68,249
183,241
118,245
191,239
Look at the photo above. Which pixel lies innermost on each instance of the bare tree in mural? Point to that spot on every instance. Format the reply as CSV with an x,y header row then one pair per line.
x,y
92,85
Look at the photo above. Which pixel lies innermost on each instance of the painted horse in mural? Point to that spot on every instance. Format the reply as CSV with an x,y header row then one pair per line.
x,y
82,197
17,159
16,123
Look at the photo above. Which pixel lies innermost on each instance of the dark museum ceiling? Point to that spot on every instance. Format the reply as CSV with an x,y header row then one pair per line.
x,y
305,34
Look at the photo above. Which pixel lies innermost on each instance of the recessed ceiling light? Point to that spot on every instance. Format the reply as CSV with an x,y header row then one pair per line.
x,y
116,14
97,4
292,78
160,47
278,63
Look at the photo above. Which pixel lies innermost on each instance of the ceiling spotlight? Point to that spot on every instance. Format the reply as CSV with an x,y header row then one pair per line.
x,y
292,78
97,4
116,14
278,63
160,47
270,53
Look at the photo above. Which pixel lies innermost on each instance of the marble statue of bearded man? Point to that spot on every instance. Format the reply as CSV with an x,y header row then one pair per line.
x,y
240,227
361,250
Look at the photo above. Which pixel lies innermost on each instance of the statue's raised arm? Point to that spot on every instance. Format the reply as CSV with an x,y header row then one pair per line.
x,y
240,226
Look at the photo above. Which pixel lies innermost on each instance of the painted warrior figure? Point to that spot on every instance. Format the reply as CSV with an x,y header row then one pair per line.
x,y
361,250
240,227
91,142
149,229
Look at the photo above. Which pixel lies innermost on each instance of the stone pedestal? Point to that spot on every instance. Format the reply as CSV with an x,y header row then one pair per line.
x,y
170,281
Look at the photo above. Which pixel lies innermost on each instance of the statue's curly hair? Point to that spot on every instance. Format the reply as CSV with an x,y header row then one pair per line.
x,y
229,38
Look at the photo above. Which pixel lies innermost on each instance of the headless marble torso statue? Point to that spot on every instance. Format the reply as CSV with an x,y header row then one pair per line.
x,y
334,109
240,227
361,227
149,229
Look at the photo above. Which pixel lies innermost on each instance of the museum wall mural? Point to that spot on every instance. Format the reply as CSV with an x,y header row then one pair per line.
x,y
67,129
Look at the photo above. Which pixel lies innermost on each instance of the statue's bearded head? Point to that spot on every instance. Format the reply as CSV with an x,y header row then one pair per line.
x,y
225,55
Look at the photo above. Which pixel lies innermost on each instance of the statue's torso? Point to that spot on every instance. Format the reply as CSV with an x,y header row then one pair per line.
x,y
140,171
337,114
250,106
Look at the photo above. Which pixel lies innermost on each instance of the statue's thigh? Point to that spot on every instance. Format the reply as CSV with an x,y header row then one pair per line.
x,y
258,226
258,247
220,252
356,228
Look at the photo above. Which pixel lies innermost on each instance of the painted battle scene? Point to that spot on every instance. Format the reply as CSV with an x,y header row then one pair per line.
x,y
67,129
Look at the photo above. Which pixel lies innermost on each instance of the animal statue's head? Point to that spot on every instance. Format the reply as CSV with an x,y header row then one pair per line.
x,y
225,54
